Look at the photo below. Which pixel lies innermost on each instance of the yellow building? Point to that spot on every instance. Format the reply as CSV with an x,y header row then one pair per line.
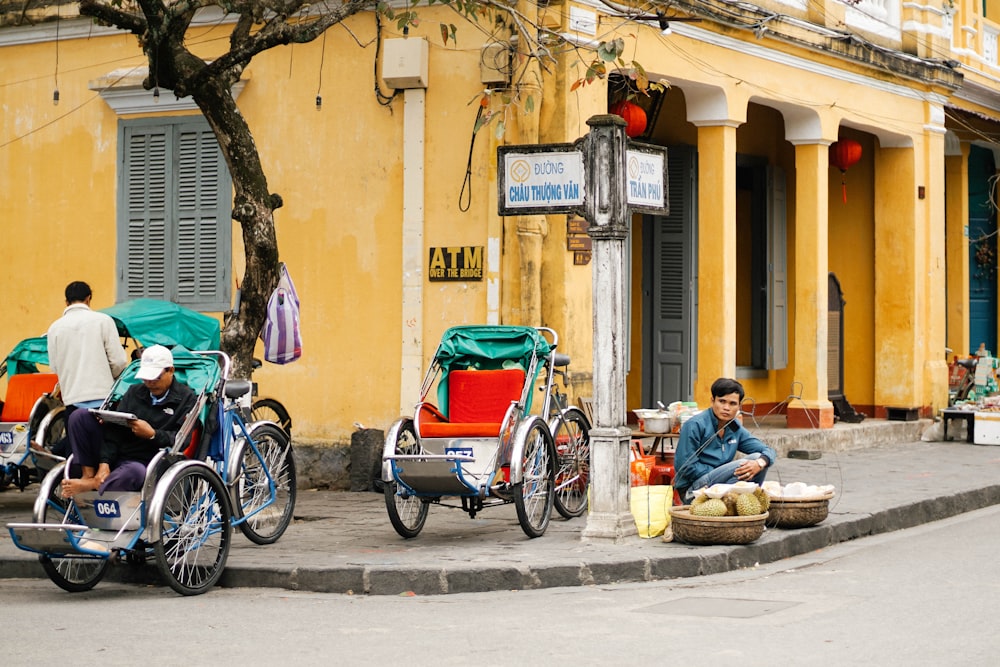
x,y
385,189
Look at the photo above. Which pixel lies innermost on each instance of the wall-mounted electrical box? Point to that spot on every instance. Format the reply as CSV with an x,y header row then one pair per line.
x,y
404,62
494,64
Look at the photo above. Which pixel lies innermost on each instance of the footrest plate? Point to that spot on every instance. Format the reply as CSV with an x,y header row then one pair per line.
x,y
50,538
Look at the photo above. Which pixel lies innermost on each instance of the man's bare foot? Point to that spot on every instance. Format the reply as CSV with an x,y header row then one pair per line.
x,y
71,487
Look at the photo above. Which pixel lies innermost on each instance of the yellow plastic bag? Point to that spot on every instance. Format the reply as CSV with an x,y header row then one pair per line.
x,y
650,507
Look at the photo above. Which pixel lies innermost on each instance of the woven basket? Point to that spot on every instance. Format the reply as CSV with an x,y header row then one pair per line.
x,y
797,513
715,529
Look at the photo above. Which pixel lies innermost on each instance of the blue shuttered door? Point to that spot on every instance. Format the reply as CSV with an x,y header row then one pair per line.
x,y
982,228
670,287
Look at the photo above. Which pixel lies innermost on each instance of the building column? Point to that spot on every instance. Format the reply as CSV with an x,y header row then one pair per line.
x,y
956,170
716,252
812,269
900,238
930,223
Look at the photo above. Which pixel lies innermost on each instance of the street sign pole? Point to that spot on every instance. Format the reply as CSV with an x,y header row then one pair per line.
x,y
604,177
606,209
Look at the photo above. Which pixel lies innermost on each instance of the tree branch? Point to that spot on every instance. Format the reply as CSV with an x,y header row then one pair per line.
x,y
108,15
277,32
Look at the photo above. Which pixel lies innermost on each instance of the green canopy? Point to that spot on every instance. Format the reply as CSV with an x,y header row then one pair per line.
x,y
147,321
488,347
198,371
156,322
26,354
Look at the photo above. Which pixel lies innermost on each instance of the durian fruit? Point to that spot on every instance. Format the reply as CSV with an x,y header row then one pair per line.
x,y
698,500
711,507
763,498
747,505
730,500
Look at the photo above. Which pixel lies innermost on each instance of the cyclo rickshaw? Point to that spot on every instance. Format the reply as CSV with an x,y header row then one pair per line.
x,y
31,411
219,473
33,417
480,442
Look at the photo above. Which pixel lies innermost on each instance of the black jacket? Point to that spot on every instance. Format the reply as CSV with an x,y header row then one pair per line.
x,y
120,444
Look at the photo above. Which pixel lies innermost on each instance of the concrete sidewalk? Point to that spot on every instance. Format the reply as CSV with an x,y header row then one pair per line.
x,y
342,542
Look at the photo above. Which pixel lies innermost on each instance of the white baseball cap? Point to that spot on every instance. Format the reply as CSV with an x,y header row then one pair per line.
x,y
154,360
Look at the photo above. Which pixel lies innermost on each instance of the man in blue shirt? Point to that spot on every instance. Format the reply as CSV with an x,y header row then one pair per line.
x,y
710,440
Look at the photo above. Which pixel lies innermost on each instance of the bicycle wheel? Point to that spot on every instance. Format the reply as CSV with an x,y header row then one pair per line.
x,y
534,492
195,530
75,574
269,409
407,513
571,432
268,510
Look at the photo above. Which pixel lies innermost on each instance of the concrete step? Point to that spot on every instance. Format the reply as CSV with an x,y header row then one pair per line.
x,y
842,437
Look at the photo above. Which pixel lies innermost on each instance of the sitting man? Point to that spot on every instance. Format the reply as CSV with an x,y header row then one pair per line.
x,y
113,457
710,440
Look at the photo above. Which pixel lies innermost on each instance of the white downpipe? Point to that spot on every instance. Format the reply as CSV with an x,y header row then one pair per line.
x,y
414,116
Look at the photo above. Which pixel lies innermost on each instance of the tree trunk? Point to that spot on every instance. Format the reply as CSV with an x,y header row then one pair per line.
x,y
253,208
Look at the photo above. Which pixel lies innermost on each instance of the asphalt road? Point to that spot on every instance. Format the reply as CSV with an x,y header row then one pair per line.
x,y
928,595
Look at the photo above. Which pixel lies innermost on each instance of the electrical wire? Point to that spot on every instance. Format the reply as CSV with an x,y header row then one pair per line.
x,y
319,87
467,181
380,97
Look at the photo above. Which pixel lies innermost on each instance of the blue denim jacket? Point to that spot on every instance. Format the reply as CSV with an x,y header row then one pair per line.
x,y
704,427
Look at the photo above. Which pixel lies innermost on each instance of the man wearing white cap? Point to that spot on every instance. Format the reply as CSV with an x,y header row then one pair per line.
x,y
114,457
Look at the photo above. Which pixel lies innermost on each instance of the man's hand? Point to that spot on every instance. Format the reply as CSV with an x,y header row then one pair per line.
x,y
750,468
142,429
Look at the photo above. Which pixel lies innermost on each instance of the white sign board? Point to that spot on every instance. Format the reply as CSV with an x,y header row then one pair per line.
x,y
541,180
644,172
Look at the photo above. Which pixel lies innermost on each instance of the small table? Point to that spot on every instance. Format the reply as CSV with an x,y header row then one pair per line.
x,y
658,439
969,416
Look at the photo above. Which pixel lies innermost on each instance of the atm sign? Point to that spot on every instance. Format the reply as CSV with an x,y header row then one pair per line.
x,y
455,263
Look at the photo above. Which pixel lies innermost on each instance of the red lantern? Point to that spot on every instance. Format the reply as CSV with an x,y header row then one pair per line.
x,y
844,154
634,116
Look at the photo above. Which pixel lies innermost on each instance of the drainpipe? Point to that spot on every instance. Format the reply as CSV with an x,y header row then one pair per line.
x,y
404,66
414,116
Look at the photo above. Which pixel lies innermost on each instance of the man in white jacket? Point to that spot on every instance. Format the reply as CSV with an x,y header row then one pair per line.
x,y
84,351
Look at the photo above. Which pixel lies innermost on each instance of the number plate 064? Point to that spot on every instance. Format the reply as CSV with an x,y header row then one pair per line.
x,y
107,509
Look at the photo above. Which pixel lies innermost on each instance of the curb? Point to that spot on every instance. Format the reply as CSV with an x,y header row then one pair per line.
x,y
776,544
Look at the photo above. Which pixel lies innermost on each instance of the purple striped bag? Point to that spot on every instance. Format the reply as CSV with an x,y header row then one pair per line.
x,y
281,334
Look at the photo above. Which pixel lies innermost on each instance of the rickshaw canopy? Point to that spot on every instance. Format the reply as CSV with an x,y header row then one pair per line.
x,y
489,347
200,372
157,322
147,321
26,354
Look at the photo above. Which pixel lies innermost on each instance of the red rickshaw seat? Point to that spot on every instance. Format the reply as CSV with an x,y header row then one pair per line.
x,y
477,403
23,391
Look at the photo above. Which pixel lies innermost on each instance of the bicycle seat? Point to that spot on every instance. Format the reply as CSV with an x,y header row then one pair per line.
x,y
237,388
